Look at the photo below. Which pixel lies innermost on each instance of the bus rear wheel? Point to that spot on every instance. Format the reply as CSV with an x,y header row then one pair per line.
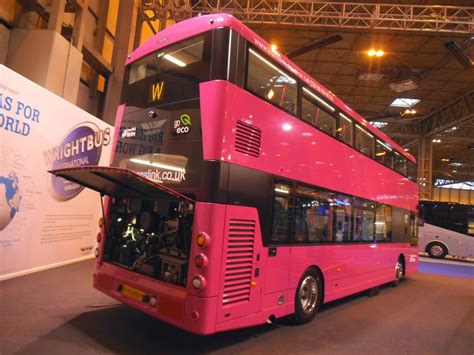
x,y
399,272
437,250
308,296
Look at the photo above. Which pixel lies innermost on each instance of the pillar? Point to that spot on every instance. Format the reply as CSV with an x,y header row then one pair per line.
x,y
425,169
124,36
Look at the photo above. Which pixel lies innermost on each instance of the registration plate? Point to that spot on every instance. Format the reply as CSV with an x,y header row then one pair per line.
x,y
132,293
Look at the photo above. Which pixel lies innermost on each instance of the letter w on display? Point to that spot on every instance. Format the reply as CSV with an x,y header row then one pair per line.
x,y
157,90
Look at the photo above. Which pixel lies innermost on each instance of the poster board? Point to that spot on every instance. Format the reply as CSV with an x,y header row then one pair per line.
x,y
45,221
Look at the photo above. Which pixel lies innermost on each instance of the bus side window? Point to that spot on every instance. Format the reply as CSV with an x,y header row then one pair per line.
x,y
308,111
364,220
345,129
318,112
421,215
411,170
400,164
364,141
383,223
383,153
315,211
413,229
470,221
303,213
281,216
270,82
342,214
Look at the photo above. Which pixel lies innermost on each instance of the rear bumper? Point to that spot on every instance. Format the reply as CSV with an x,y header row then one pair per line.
x,y
174,305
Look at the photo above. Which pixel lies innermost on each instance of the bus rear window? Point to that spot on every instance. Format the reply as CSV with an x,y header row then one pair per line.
x,y
170,74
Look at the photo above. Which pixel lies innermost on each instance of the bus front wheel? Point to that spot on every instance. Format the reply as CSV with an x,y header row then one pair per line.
x,y
308,296
437,250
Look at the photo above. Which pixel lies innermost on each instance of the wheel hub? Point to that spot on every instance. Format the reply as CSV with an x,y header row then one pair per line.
x,y
308,294
399,270
437,250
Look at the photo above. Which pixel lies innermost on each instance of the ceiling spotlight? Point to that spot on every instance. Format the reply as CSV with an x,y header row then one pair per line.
x,y
378,53
409,112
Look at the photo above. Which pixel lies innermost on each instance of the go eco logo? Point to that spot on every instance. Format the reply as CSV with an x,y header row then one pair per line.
x,y
183,125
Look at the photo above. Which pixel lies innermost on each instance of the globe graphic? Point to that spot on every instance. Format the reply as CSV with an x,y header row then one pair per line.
x,y
9,199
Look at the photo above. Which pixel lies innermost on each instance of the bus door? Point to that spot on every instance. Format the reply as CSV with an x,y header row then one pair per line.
x,y
279,252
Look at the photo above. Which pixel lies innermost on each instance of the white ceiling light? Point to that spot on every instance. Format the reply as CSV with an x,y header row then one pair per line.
x,y
378,124
403,102
369,76
403,85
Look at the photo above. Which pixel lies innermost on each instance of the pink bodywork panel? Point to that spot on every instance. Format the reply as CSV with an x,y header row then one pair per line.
x,y
346,269
294,149
197,25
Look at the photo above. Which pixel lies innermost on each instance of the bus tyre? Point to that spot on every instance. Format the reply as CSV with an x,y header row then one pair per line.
x,y
437,250
308,296
399,273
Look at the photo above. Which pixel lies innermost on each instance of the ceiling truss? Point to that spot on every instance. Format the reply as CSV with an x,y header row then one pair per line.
x,y
431,18
437,123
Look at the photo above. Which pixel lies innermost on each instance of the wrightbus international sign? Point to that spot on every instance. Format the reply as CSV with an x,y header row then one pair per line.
x,y
45,221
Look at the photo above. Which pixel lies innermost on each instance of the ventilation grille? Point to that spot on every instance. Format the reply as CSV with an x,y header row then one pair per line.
x,y
239,257
248,139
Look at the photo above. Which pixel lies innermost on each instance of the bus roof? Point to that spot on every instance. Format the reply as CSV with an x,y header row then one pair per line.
x,y
197,25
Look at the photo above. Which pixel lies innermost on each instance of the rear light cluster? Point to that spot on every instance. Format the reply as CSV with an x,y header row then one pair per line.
x,y
99,237
200,261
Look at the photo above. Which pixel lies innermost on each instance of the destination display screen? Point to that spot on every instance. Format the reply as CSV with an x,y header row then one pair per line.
x,y
170,74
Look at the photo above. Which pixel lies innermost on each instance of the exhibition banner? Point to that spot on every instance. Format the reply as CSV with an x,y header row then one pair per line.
x,y
45,221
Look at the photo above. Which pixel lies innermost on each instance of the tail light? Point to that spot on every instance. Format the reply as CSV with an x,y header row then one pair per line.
x,y
199,282
202,240
200,260
97,252
101,222
99,237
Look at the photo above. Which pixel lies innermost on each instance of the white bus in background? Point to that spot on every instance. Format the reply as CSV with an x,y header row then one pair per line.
x,y
446,229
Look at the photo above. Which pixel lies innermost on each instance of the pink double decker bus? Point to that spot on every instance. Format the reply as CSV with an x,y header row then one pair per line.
x,y
241,190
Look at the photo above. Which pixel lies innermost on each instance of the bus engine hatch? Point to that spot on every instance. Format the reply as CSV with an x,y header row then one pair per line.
x,y
148,226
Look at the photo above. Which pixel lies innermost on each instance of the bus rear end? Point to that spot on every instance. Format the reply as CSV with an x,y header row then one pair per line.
x,y
169,245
